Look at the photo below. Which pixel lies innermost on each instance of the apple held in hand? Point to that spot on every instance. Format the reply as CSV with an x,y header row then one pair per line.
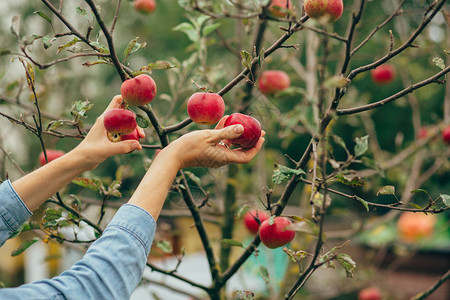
x,y
134,135
139,90
146,6
252,130
383,74
52,154
119,121
251,219
446,134
330,10
279,8
371,293
276,235
205,108
273,81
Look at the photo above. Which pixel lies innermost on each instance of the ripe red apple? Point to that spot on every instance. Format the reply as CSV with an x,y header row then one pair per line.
x,y
205,108
275,235
118,121
146,6
414,226
383,74
371,293
134,135
139,90
273,81
446,134
278,8
250,219
331,10
52,154
252,130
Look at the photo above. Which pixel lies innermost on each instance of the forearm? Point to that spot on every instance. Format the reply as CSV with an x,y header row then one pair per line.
x,y
152,191
35,188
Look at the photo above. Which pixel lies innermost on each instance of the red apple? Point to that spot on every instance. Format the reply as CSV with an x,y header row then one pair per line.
x,y
134,135
331,10
252,130
275,235
446,134
383,74
414,226
251,219
146,6
118,121
279,8
139,90
52,154
205,108
273,81
371,293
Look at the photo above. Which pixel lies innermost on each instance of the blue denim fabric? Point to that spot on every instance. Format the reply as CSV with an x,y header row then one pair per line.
x,y
111,268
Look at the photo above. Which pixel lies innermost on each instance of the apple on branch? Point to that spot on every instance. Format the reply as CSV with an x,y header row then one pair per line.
x,y
370,293
446,134
205,108
253,218
252,130
146,6
383,74
279,8
276,235
118,121
52,154
273,81
328,10
139,90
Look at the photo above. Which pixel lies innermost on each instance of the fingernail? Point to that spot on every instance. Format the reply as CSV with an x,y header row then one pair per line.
x,y
239,129
135,146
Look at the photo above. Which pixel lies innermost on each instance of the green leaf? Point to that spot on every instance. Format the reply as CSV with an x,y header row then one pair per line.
x,y
271,220
414,191
47,41
264,274
242,210
364,202
446,199
93,184
347,263
233,243
81,11
159,65
24,246
101,48
352,181
4,52
193,177
415,205
130,47
189,30
283,173
165,246
51,214
246,59
53,125
25,227
210,28
29,72
362,144
43,16
113,189
68,44
141,121
97,62
295,256
261,57
439,62
386,190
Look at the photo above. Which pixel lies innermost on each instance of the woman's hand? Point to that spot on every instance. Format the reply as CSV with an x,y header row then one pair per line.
x,y
96,147
208,148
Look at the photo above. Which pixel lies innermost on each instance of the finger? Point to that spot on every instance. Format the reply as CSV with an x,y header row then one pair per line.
x,y
244,155
141,132
263,133
221,123
124,147
230,132
116,102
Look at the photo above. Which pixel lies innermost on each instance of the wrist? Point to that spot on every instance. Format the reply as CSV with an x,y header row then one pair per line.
x,y
81,160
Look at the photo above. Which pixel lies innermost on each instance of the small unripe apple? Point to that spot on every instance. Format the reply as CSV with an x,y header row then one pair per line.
x,y
279,8
383,74
276,235
273,81
371,293
139,90
252,130
446,134
330,10
205,108
414,226
146,6
251,219
52,154
118,121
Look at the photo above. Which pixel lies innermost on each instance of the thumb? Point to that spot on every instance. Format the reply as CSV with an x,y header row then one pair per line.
x,y
126,146
230,132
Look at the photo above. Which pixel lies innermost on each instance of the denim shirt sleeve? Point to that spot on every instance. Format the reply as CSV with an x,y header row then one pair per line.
x,y
111,268
13,212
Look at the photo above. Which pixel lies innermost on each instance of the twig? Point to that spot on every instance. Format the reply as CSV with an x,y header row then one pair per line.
x,y
434,287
